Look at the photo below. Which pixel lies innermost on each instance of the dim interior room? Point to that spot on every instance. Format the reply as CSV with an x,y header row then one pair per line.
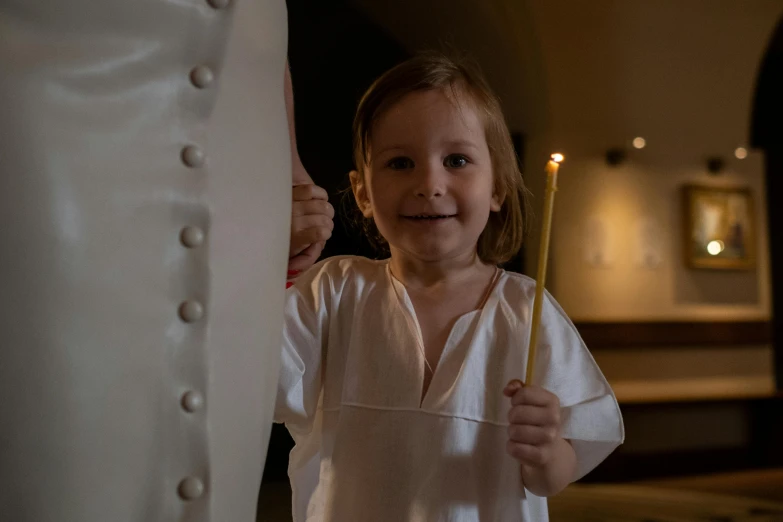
x,y
669,117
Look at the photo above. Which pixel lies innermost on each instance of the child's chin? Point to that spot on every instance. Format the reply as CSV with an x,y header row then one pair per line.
x,y
434,251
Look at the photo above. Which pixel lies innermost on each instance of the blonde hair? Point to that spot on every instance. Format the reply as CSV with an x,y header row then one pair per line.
x,y
503,235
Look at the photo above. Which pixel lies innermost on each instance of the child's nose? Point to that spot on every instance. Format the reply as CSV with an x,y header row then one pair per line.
x,y
431,181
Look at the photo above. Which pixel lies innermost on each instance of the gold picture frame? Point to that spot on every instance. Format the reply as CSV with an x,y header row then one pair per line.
x,y
720,231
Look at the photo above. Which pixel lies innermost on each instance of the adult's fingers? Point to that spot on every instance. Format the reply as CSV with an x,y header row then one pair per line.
x,y
303,239
309,191
306,258
300,223
313,207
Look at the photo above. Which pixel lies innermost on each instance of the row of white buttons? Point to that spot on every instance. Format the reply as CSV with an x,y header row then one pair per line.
x,y
191,488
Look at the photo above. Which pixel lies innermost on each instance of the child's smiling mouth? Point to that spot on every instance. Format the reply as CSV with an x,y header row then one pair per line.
x,y
429,217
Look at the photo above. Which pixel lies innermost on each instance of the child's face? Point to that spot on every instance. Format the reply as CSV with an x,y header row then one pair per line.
x,y
429,186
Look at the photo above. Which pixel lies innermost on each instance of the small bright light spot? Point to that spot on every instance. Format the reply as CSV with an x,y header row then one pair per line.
x,y
639,143
715,247
557,157
741,153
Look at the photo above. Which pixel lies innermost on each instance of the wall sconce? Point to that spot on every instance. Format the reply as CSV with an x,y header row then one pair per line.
x,y
715,165
618,155
615,156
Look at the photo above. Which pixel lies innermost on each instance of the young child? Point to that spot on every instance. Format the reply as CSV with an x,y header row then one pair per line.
x,y
397,375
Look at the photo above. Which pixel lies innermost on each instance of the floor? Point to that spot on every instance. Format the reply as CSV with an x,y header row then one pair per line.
x,y
640,503
755,496
759,484
274,502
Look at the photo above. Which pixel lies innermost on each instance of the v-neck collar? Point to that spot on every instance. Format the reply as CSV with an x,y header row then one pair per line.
x,y
405,305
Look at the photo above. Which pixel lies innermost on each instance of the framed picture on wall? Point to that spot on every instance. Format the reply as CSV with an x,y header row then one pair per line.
x,y
719,228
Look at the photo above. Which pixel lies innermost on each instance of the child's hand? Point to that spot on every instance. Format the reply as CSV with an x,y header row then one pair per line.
x,y
534,429
547,461
311,225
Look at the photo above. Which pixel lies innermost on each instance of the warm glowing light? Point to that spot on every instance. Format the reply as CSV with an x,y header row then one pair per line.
x,y
557,157
639,143
741,153
715,247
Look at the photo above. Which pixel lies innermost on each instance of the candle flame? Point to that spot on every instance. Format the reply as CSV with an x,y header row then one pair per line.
x,y
557,157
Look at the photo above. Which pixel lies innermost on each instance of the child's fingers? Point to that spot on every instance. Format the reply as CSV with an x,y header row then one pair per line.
x,y
512,387
313,207
534,416
527,454
309,191
535,396
534,435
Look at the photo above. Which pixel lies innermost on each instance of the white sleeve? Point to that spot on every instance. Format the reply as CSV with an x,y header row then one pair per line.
x,y
591,417
304,344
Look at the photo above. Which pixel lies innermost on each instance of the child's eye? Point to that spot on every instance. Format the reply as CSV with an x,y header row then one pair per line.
x,y
400,163
455,161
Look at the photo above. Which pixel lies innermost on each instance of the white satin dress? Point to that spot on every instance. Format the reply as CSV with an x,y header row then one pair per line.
x,y
145,179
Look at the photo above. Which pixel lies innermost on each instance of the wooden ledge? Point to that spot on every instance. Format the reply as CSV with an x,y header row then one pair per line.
x,y
602,335
704,389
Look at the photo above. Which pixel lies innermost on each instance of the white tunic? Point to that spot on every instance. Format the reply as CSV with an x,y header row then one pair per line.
x,y
367,446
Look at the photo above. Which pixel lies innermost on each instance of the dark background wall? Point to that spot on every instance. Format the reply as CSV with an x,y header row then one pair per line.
x,y
335,54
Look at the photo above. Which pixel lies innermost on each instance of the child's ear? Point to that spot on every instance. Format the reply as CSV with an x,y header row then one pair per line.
x,y
360,193
497,201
